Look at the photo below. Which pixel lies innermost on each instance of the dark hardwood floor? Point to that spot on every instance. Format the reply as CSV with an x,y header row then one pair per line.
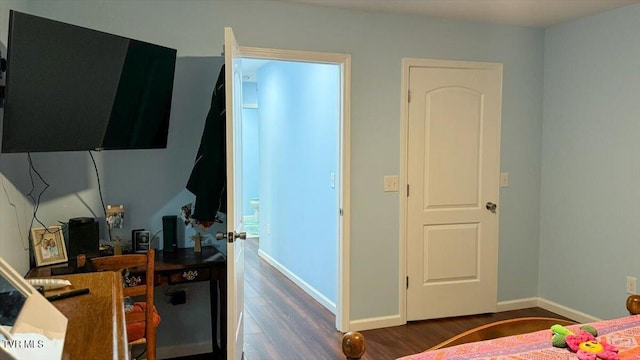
x,y
282,322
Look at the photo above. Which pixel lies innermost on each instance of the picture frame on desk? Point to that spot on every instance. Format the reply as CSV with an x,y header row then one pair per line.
x,y
115,216
141,241
48,245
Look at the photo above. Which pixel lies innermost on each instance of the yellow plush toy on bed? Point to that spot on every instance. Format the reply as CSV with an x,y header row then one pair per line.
x,y
583,343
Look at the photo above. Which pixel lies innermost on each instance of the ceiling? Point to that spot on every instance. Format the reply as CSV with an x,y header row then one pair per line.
x,y
536,13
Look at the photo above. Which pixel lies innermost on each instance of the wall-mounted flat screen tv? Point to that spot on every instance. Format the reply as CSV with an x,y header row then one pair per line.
x,y
72,88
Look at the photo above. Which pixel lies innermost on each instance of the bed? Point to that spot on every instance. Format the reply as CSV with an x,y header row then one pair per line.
x,y
521,338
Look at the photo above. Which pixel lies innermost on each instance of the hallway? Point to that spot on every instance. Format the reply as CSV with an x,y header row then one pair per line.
x,y
283,322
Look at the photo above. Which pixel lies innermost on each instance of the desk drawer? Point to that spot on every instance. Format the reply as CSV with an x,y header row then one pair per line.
x,y
189,275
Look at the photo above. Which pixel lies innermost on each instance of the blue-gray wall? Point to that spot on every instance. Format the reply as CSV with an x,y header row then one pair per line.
x,y
299,139
588,220
377,43
590,211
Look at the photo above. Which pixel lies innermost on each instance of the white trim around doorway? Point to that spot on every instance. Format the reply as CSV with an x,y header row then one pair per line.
x,y
344,217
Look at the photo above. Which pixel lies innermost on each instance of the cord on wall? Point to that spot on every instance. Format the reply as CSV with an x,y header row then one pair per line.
x,y
104,208
36,200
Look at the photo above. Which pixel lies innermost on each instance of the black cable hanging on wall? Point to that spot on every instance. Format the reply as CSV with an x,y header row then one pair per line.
x,y
30,194
104,208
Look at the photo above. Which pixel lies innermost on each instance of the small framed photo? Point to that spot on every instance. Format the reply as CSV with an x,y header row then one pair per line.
x,y
115,216
141,241
48,245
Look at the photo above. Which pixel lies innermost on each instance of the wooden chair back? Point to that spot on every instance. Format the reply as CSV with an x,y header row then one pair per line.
x,y
136,263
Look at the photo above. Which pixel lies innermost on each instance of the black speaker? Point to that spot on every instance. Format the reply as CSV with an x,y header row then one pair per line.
x,y
84,238
170,233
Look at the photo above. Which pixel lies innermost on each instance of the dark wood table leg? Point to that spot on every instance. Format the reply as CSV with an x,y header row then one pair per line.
x,y
214,295
223,309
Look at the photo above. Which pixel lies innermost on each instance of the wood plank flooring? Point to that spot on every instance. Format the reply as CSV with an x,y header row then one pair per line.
x,y
284,323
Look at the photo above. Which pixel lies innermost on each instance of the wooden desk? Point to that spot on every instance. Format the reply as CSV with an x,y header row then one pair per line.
x,y
96,327
184,266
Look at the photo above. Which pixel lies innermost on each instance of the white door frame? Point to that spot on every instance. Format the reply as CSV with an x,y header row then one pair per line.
x,y
407,63
344,61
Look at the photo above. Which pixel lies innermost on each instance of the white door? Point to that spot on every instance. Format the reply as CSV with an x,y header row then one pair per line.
x,y
235,247
453,176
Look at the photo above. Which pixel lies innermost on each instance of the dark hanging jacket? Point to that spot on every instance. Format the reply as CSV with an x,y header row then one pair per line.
x,y
209,175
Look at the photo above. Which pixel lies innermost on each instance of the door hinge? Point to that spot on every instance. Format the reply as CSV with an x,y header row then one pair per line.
x,y
409,97
407,282
341,212
407,190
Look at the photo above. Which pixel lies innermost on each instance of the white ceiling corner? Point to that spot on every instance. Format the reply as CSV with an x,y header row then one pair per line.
x,y
534,13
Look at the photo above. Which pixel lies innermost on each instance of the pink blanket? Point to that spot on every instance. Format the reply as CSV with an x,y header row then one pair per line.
x,y
624,333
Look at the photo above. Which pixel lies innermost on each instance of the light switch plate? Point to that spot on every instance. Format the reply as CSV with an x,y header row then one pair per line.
x,y
391,183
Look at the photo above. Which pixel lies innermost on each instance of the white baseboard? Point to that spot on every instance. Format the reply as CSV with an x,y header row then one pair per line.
x,y
319,297
375,323
394,320
575,315
565,311
517,304
168,352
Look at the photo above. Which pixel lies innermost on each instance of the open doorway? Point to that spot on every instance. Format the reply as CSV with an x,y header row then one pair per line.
x,y
290,130
295,168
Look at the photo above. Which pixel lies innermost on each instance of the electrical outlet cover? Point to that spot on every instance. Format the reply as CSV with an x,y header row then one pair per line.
x,y
632,284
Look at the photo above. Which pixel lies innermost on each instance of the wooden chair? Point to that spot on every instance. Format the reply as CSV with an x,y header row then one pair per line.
x,y
134,286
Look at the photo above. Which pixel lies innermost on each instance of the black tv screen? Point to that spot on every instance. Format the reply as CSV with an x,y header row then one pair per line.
x,y
72,88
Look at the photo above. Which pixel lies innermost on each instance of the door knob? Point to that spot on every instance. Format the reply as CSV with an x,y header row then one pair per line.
x,y
491,207
231,235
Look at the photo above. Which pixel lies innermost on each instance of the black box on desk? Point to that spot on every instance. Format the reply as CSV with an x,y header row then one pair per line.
x,y
84,237
170,233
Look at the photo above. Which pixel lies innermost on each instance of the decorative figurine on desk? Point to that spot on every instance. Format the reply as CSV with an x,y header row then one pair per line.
x,y
117,246
201,227
197,243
